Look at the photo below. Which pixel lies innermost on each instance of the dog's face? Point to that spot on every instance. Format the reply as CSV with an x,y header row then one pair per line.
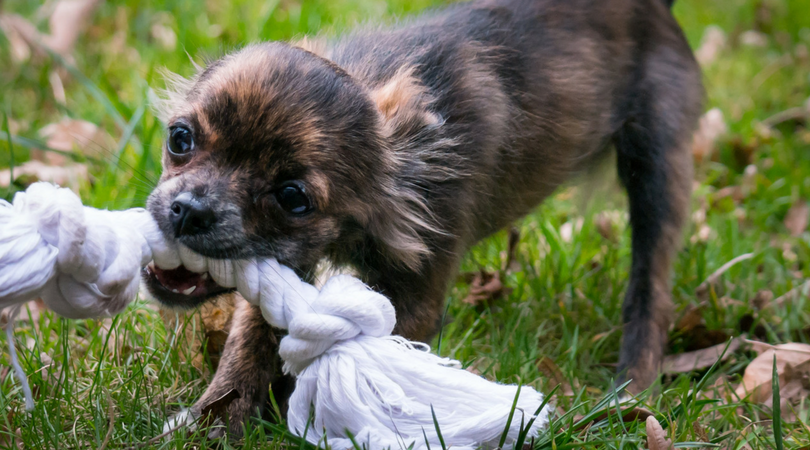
x,y
270,152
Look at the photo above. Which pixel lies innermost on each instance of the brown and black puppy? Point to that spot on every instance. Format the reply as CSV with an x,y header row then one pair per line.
x,y
394,150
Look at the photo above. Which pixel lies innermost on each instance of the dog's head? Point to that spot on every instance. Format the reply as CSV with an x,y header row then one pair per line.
x,y
274,151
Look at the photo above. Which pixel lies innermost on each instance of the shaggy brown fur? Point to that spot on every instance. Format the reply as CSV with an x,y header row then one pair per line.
x,y
394,150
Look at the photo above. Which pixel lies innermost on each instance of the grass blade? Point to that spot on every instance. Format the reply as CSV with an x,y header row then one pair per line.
x,y
427,441
511,416
7,129
438,430
777,408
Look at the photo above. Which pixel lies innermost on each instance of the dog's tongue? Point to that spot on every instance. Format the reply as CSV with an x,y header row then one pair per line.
x,y
180,280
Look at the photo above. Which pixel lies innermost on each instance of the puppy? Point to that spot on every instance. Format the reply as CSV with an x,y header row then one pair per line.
x,y
392,151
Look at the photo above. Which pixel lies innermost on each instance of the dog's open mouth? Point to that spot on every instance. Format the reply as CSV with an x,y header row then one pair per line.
x,y
181,287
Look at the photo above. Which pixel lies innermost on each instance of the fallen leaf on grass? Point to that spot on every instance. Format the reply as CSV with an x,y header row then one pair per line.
x,y
700,359
67,22
691,318
162,31
656,436
67,135
762,299
216,318
711,127
796,218
743,152
792,365
29,312
212,327
32,171
19,33
554,375
609,224
70,135
734,192
485,287
713,41
753,38
629,414
692,334
702,291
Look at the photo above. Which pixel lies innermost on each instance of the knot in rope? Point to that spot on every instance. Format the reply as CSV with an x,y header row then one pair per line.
x,y
81,261
315,320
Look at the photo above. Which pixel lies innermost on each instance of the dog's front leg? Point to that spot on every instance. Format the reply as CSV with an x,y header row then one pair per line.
x,y
250,364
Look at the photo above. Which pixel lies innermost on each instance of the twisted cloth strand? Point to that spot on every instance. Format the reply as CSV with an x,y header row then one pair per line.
x,y
354,380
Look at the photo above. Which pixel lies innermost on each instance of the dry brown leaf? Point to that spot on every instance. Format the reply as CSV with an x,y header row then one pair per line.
x,y
712,126
797,217
656,436
67,22
692,334
485,287
758,377
212,326
702,291
609,224
712,43
629,414
734,192
699,359
29,312
162,31
753,38
19,33
700,431
691,318
762,299
71,176
554,375
567,232
69,135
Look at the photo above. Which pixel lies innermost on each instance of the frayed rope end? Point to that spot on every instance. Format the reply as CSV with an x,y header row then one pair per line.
x,y
15,363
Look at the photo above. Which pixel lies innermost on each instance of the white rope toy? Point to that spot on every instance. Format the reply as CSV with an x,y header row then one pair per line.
x,y
353,377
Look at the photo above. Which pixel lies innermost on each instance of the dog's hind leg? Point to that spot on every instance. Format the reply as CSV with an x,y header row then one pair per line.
x,y
655,166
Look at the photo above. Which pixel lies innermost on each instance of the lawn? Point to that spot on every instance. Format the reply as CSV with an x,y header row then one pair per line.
x,y
554,322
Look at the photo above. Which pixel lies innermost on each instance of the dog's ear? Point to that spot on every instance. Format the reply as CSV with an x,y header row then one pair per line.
x,y
404,219
404,105
399,224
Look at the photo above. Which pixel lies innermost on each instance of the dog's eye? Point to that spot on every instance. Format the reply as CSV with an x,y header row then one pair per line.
x,y
293,199
180,141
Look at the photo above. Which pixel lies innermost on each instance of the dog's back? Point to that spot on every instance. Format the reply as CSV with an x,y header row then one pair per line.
x,y
522,88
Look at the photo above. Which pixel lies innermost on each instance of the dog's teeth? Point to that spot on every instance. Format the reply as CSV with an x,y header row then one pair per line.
x,y
175,291
204,276
189,290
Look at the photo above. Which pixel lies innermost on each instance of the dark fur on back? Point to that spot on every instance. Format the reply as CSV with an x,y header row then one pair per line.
x,y
416,141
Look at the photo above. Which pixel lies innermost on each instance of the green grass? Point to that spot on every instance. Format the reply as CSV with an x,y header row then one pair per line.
x,y
113,382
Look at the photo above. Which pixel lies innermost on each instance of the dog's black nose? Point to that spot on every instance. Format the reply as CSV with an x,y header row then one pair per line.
x,y
189,216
